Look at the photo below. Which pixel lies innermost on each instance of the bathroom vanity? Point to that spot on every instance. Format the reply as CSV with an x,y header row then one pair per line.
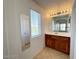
x,y
60,43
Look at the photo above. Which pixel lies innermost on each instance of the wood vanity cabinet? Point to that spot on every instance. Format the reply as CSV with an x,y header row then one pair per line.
x,y
59,43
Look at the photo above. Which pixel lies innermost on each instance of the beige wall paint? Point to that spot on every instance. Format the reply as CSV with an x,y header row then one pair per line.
x,y
12,38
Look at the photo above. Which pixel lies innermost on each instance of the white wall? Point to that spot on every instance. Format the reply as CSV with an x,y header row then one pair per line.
x,y
73,33
5,47
12,38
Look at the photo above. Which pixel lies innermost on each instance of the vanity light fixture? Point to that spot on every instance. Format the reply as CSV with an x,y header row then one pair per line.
x,y
59,12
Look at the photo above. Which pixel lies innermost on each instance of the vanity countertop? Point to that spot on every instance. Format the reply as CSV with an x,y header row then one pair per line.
x,y
59,34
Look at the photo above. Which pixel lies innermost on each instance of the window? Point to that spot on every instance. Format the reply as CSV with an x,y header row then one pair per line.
x,y
35,23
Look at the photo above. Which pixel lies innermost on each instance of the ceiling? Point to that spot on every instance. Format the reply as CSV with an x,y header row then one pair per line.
x,y
48,4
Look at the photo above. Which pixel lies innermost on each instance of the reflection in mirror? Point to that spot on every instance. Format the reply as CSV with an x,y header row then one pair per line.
x,y
61,23
25,34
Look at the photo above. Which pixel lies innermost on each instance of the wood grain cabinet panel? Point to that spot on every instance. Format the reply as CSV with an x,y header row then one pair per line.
x,y
51,43
58,42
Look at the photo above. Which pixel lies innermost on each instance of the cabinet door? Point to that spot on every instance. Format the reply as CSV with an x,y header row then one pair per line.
x,y
62,44
57,44
48,43
47,40
51,43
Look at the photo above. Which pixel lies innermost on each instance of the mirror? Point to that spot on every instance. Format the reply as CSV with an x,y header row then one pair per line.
x,y
25,32
61,23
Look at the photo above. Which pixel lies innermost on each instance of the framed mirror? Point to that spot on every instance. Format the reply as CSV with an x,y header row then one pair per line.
x,y
25,32
61,23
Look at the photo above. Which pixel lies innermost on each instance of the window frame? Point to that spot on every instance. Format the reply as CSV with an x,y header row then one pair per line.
x,y
39,24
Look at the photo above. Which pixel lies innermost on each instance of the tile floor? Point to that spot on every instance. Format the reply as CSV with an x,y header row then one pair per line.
x,y
48,53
